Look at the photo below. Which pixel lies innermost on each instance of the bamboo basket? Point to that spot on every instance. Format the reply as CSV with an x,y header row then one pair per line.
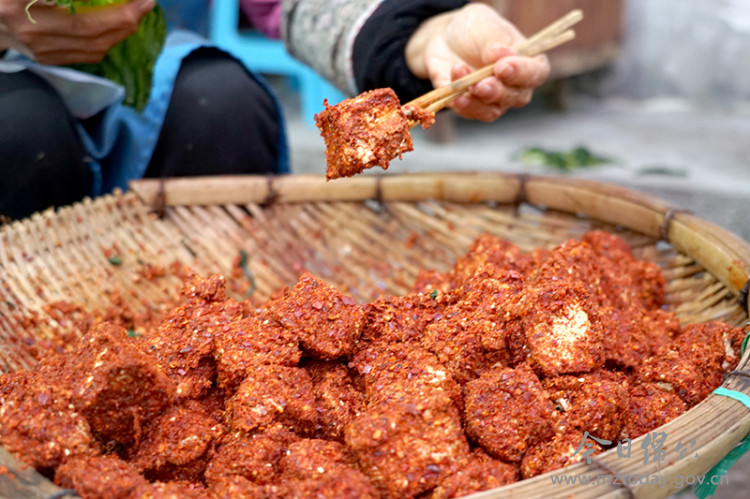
x,y
367,235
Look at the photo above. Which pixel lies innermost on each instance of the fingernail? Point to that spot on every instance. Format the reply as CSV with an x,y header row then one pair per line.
x,y
461,69
147,5
497,49
483,90
506,72
461,102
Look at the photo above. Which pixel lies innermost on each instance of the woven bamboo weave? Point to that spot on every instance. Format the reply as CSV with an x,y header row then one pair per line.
x,y
368,236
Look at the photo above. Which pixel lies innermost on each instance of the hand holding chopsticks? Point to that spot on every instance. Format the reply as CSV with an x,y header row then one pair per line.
x,y
548,38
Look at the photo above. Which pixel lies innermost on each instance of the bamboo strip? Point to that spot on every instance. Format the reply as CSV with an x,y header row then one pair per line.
x,y
720,252
614,205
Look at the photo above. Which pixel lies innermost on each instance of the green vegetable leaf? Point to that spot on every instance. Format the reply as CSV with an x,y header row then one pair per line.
x,y
579,157
131,62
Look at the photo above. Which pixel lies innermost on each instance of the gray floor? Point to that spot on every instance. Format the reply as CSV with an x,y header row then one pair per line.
x,y
691,159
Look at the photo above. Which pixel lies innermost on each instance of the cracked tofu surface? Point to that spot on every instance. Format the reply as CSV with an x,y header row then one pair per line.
x,y
563,331
337,399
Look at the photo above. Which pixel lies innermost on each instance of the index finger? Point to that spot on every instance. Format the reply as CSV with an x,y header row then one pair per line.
x,y
92,21
522,72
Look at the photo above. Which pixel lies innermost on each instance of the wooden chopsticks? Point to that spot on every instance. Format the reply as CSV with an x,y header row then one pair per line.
x,y
555,34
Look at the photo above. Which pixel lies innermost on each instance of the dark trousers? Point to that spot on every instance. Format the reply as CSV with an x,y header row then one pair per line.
x,y
219,121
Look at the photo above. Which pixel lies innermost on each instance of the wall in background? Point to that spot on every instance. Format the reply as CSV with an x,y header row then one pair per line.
x,y
694,49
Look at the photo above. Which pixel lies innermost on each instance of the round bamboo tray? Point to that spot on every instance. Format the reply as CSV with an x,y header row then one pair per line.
x,y
367,235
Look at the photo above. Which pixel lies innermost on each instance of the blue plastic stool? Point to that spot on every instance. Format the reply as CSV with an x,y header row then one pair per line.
x,y
265,55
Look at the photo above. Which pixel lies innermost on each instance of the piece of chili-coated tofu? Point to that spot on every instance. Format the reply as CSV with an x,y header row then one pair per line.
x,y
596,402
625,280
564,449
723,340
273,394
507,411
477,472
407,446
486,249
321,468
573,261
364,131
402,371
691,365
254,456
456,340
337,398
327,322
563,332
100,477
633,334
183,344
177,444
118,387
401,318
36,420
651,406
242,345
471,335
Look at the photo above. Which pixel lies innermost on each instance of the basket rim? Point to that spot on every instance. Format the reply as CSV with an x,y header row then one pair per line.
x,y
720,252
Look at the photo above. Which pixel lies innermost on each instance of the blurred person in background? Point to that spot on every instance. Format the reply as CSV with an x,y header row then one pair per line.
x,y
65,134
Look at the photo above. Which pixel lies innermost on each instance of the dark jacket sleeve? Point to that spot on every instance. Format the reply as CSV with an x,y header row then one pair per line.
x,y
378,54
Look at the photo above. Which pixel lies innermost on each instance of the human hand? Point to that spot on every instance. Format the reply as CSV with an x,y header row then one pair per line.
x,y
452,45
57,37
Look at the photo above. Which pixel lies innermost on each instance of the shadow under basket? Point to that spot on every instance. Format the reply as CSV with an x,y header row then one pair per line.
x,y
367,235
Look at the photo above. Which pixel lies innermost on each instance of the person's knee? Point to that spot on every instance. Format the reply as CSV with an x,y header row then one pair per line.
x,y
43,160
220,121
